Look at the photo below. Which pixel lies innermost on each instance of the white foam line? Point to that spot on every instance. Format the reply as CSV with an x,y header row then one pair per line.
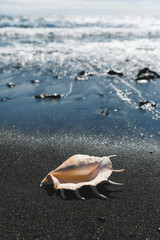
x,y
121,95
70,89
126,83
156,113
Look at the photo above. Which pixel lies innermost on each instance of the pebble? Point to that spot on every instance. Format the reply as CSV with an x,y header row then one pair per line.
x,y
113,72
83,75
131,234
11,84
104,112
147,70
102,219
146,104
35,81
146,74
48,96
4,99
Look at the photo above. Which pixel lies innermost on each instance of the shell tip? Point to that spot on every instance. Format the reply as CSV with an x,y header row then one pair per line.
x,y
120,170
78,195
112,156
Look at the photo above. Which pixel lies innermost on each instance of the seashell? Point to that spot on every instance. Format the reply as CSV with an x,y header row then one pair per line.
x,y
80,170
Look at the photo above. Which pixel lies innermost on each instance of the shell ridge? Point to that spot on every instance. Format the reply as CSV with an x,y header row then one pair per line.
x,y
96,167
82,167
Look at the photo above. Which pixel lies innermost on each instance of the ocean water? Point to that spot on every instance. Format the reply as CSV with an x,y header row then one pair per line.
x,y
72,56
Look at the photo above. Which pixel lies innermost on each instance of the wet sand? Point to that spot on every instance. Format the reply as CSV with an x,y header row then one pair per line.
x,y
30,212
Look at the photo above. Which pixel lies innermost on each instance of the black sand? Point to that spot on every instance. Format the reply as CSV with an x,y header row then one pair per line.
x,y
30,212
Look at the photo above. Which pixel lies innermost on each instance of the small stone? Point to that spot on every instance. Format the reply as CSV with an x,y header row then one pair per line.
x,y
11,84
113,72
143,71
41,96
35,81
131,234
90,74
48,96
102,219
104,112
146,74
146,104
147,71
81,73
3,99
101,94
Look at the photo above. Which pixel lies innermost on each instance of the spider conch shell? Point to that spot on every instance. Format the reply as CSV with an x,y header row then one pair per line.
x,y
80,170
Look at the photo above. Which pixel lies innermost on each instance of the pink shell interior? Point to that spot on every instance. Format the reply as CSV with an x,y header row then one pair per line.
x,y
80,170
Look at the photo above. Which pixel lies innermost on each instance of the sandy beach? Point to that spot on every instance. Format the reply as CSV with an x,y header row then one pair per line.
x,y
79,85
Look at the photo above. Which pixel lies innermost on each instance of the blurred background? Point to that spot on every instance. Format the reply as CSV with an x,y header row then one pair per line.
x,y
80,66
89,7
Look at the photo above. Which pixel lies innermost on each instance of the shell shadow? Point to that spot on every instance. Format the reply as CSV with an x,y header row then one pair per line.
x,y
87,192
49,189
84,192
